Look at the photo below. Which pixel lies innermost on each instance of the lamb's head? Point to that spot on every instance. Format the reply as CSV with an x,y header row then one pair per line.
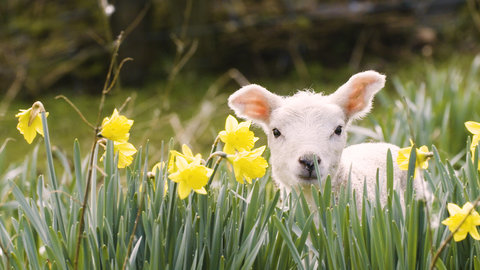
x,y
306,125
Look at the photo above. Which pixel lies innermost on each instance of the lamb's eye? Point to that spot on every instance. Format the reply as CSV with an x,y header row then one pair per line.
x,y
338,130
276,133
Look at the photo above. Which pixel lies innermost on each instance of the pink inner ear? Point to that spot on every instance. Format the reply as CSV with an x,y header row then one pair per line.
x,y
356,100
257,108
255,105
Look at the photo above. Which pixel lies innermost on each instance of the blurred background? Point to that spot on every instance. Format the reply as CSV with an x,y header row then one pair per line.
x,y
190,55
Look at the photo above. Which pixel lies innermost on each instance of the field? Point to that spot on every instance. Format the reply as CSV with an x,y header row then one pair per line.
x,y
66,209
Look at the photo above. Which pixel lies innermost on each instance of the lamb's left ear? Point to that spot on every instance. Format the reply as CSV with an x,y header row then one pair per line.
x,y
355,96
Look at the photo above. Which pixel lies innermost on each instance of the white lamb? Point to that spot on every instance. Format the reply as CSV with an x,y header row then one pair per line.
x,y
308,125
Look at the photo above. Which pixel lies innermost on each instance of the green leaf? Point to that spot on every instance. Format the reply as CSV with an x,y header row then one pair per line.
x,y
77,164
53,178
389,178
288,240
29,244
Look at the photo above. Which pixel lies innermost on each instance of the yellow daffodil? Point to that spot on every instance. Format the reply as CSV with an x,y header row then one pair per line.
x,y
116,127
190,176
237,136
457,215
474,128
30,121
187,154
160,166
125,152
423,155
248,164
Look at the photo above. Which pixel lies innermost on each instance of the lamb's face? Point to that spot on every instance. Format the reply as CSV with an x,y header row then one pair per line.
x,y
305,127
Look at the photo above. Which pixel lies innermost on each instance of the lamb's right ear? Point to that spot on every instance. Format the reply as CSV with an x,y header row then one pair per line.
x,y
356,95
254,102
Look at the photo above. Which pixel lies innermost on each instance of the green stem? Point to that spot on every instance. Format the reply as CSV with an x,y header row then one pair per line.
x,y
84,204
220,154
214,147
215,168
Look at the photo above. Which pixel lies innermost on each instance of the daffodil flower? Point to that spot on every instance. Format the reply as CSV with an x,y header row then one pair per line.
x,y
422,157
125,152
474,128
187,154
160,166
190,176
237,137
116,127
457,215
248,164
30,121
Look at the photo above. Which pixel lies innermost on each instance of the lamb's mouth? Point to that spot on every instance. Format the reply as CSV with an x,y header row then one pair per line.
x,y
308,179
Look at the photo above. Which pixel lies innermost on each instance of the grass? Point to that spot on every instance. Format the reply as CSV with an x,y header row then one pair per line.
x,y
130,222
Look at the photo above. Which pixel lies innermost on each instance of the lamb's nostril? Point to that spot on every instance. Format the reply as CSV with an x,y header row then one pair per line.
x,y
307,163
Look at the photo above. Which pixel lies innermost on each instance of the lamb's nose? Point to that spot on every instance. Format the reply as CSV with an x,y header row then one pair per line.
x,y
308,162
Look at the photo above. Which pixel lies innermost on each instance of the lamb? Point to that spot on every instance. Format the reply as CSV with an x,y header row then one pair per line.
x,y
308,125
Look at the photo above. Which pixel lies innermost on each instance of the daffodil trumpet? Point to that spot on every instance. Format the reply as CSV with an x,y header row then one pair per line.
x,y
422,155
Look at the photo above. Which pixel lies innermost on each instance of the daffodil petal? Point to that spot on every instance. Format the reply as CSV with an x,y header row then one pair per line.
x,y
37,125
459,236
29,131
187,151
183,190
474,233
473,127
231,123
245,124
227,148
29,134
403,158
181,163
174,177
467,207
475,140
476,219
447,222
453,209
202,191
258,151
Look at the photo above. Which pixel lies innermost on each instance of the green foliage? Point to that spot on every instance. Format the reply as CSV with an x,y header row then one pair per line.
x,y
431,107
233,227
